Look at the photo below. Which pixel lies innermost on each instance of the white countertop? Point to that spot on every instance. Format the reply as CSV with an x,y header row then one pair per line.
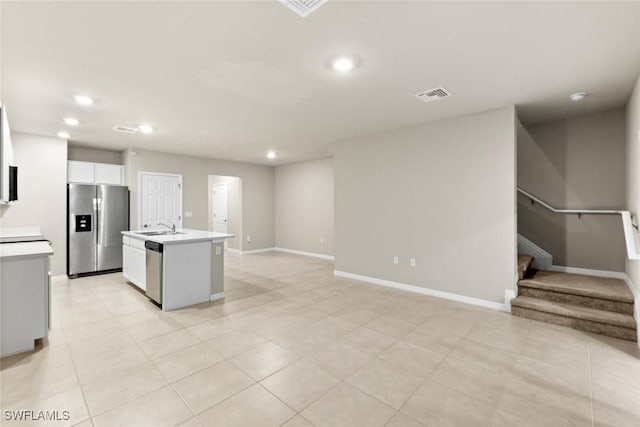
x,y
187,236
9,250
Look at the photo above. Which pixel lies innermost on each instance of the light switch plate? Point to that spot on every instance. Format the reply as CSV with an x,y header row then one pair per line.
x,y
413,262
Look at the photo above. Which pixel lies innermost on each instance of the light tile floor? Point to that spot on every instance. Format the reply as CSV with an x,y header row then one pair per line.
x,y
293,345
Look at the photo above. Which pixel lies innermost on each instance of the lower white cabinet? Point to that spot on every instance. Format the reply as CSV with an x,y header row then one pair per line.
x,y
134,262
25,304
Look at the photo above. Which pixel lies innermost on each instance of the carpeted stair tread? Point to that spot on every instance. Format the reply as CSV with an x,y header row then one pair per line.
x,y
578,284
524,263
575,311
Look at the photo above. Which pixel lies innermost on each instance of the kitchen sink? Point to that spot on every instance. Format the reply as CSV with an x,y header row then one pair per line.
x,y
158,233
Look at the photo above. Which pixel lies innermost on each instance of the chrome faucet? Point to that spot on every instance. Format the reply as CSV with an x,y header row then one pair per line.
x,y
172,227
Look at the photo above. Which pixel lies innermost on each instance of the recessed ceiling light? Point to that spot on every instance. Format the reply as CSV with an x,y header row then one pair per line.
x,y
578,96
145,128
63,135
71,121
343,64
83,100
272,154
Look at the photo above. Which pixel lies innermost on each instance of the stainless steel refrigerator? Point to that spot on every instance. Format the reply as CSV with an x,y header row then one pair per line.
x,y
96,216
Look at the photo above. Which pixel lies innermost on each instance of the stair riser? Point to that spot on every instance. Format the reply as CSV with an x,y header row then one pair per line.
x,y
580,324
597,303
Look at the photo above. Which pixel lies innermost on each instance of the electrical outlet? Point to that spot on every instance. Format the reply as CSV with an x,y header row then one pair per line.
x,y
413,262
188,214
395,260
218,250
322,240
248,238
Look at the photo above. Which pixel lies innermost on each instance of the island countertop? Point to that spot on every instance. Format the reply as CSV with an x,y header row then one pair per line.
x,y
185,235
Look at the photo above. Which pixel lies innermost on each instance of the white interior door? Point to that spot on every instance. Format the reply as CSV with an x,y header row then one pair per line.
x,y
160,200
220,210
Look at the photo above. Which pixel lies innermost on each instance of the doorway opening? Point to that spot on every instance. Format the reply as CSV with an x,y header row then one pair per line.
x,y
225,208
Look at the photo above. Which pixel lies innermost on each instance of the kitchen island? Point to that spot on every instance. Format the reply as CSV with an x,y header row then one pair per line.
x,y
184,267
25,282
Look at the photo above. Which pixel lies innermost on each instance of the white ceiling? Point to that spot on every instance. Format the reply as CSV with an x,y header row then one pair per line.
x,y
233,80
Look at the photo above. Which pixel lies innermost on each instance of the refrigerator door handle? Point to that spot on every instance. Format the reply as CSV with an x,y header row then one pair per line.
x,y
95,216
99,220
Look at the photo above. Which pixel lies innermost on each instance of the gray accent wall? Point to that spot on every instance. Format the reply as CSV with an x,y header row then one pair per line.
x,y
95,155
632,267
304,194
442,193
577,163
42,192
257,190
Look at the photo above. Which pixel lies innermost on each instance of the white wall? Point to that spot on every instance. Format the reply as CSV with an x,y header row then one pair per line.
x,y
442,193
257,191
304,206
42,192
632,268
576,163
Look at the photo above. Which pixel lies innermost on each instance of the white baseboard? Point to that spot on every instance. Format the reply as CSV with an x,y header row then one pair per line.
x,y
634,289
216,297
588,271
59,277
257,251
542,259
425,291
311,254
508,296
235,251
291,251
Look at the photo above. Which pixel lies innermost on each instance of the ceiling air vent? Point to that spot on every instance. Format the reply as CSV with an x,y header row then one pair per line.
x,y
125,129
433,94
303,7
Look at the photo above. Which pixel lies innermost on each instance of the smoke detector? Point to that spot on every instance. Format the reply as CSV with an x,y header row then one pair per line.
x,y
303,7
433,94
125,129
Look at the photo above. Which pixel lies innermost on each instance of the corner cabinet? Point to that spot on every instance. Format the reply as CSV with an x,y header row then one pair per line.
x,y
134,261
94,173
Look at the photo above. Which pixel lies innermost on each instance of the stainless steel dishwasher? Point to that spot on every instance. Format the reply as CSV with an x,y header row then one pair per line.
x,y
154,270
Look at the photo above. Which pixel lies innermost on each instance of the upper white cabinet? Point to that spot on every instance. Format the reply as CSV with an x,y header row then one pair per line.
x,y
95,173
81,172
6,154
109,174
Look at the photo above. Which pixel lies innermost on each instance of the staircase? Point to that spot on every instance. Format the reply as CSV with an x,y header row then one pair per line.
x,y
593,304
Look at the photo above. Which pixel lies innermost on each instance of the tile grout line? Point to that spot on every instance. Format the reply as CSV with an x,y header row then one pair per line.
x,y
149,360
590,385
75,370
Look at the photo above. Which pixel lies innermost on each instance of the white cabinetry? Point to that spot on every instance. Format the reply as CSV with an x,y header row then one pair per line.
x,y
109,174
134,261
94,173
6,154
25,309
